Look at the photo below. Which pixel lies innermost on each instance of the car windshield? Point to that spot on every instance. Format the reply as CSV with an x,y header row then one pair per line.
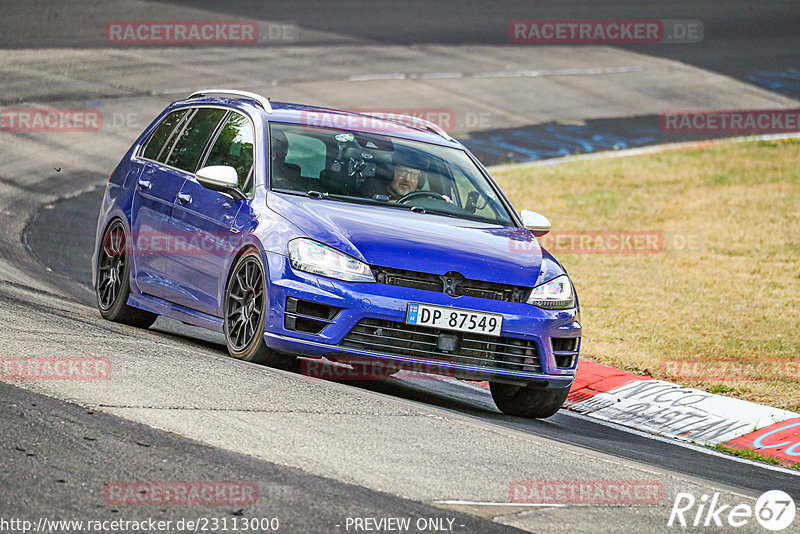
x,y
369,168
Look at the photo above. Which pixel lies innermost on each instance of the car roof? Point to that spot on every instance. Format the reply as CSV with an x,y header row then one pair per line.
x,y
395,125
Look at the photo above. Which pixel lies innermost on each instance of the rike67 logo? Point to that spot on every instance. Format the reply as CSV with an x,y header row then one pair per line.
x,y
774,510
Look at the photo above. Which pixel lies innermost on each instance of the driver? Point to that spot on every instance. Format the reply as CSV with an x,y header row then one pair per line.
x,y
406,178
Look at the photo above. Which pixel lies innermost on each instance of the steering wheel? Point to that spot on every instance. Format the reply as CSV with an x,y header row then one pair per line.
x,y
415,194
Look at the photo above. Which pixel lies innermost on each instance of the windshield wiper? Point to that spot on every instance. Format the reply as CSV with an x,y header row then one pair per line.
x,y
461,216
316,194
419,209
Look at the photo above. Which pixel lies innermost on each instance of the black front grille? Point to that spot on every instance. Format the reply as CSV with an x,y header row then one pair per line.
x,y
400,339
451,283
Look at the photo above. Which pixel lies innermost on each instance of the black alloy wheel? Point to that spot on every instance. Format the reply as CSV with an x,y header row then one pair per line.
x,y
245,309
113,279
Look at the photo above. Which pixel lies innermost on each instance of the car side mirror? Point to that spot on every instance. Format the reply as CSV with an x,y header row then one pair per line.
x,y
535,222
222,178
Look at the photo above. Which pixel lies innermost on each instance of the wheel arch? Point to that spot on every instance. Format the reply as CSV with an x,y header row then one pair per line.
x,y
113,216
244,249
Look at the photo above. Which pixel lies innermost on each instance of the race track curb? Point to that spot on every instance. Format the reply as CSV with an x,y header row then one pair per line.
x,y
671,410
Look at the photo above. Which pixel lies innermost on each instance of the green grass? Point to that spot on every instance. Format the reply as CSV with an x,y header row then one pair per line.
x,y
735,297
753,455
720,389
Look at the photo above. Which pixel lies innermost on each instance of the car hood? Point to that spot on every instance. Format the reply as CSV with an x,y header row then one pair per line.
x,y
436,244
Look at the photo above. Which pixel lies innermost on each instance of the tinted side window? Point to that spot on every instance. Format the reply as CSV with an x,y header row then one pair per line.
x,y
234,147
162,135
193,139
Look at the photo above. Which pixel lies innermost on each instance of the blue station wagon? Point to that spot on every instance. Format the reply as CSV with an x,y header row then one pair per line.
x,y
313,232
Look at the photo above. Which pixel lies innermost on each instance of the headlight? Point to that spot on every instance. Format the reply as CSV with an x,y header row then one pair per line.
x,y
312,257
556,294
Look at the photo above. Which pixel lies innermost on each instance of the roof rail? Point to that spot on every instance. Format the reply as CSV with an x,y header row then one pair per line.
x,y
258,99
420,123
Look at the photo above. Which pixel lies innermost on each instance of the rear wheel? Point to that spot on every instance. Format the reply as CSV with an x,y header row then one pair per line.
x,y
245,309
113,279
535,403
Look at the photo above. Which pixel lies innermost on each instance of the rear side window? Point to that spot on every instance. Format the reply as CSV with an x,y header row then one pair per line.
x,y
234,147
158,145
192,140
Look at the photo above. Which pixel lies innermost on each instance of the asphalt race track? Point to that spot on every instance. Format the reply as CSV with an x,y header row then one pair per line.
x,y
177,408
567,427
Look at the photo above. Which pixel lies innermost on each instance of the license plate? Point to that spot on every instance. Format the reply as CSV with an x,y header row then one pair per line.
x,y
454,319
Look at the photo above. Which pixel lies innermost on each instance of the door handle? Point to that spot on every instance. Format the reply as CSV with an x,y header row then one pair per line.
x,y
144,184
184,198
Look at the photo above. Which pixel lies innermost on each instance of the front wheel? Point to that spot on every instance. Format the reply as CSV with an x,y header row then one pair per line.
x,y
534,403
245,309
113,279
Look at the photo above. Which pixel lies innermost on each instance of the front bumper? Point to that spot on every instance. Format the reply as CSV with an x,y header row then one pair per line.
x,y
373,301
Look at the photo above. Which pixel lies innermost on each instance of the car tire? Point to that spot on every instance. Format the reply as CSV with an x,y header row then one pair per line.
x,y
113,279
534,403
244,314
